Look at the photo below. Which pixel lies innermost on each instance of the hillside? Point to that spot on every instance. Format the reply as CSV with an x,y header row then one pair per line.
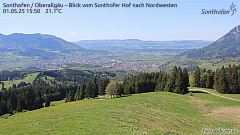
x,y
36,41
227,45
148,113
41,51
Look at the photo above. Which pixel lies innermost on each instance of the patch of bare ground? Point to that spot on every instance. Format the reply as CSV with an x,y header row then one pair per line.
x,y
199,103
226,114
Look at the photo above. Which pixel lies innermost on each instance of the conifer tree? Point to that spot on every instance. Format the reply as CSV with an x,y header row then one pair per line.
x,y
19,104
223,87
233,80
46,101
238,89
120,89
30,98
77,94
10,105
38,100
178,88
67,97
101,88
94,88
197,78
82,91
209,83
2,85
171,80
185,81
203,71
88,89
216,79
204,77
127,89
3,107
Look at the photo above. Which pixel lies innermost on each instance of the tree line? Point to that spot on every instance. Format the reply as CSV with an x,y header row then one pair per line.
x,y
7,75
91,89
176,82
225,80
40,93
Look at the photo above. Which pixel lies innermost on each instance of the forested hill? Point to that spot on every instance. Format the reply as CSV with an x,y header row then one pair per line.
x,y
227,45
36,41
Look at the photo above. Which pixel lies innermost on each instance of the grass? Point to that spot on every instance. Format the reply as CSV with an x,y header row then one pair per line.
x,y
235,96
29,78
148,113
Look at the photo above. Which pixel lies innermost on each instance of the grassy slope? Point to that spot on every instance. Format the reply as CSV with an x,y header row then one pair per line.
x,y
152,113
29,78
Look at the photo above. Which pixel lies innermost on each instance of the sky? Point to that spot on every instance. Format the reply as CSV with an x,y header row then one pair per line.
x,y
159,24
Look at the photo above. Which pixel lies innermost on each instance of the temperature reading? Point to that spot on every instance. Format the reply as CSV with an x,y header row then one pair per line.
x,y
53,10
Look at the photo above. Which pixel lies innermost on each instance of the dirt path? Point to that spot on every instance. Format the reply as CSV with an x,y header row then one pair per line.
x,y
215,94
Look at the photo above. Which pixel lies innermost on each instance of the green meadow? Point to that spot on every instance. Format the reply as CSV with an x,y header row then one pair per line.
x,y
28,79
147,113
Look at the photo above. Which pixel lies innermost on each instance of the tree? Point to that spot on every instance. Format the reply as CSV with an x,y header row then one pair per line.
x,y
2,85
204,80
127,89
14,86
209,83
216,79
94,88
203,71
197,77
223,86
38,100
77,94
3,107
171,80
120,89
101,88
69,96
19,104
46,101
185,80
82,91
233,80
88,89
112,89
10,105
178,82
30,98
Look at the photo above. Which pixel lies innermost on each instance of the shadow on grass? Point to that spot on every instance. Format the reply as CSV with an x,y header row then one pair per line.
x,y
123,96
197,92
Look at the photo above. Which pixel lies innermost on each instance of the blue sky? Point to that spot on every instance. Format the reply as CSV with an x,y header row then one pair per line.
x,y
182,23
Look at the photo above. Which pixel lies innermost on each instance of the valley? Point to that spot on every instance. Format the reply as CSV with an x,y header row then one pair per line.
x,y
118,86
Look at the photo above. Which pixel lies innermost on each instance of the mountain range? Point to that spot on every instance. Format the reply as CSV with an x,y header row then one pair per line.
x,y
227,45
36,41
140,45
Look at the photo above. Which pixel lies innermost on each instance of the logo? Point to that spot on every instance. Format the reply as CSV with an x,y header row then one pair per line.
x,y
233,8
220,11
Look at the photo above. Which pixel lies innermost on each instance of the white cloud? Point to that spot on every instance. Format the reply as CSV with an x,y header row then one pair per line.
x,y
72,33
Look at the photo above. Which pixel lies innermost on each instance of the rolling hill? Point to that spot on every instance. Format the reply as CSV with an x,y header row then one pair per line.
x,y
227,45
147,113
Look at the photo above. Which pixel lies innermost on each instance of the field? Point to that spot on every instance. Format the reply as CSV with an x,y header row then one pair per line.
x,y
28,79
148,113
